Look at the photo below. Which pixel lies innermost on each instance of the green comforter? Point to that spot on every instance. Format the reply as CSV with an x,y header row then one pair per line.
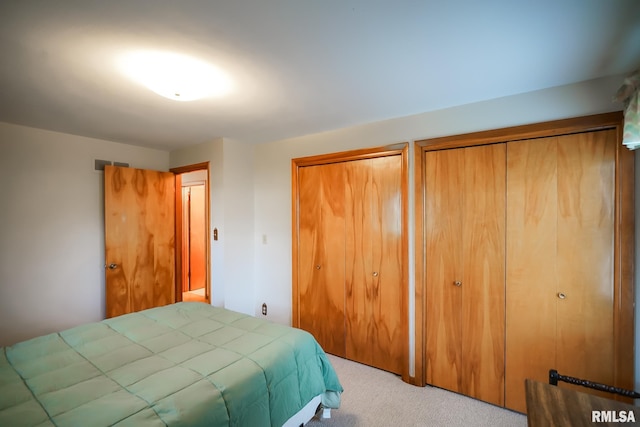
x,y
187,364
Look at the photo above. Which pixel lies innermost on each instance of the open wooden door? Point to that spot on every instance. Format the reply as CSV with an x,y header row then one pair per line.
x,y
139,239
197,238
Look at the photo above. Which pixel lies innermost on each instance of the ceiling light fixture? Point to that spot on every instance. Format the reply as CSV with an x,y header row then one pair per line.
x,y
175,76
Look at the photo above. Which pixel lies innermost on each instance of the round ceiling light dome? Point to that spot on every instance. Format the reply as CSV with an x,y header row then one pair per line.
x,y
175,76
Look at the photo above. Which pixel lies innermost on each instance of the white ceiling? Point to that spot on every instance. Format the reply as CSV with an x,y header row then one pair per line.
x,y
299,66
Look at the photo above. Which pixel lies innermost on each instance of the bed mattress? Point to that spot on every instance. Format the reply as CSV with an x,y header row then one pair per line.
x,y
186,364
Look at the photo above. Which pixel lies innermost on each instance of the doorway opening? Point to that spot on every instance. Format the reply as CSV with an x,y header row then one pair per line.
x,y
192,233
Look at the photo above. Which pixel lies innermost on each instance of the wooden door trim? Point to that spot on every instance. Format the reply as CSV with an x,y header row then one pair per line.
x,y
624,266
191,168
530,131
401,149
345,156
624,227
178,171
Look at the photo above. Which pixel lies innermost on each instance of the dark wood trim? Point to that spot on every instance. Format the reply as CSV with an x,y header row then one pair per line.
x,y
624,268
366,153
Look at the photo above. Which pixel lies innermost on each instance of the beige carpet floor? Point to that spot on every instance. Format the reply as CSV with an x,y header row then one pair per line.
x,y
375,398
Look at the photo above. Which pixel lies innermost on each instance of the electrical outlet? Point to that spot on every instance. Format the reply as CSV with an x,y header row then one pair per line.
x,y
264,309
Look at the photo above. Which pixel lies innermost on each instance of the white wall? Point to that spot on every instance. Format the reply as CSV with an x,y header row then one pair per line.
x,y
272,169
238,233
231,212
52,228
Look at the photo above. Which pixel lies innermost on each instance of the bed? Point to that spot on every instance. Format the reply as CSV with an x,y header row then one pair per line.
x,y
185,364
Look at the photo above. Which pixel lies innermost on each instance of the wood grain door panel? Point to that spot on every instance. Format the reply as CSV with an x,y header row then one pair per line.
x,y
139,239
321,268
359,281
483,288
388,277
586,214
374,262
532,265
560,295
569,254
443,221
465,249
350,254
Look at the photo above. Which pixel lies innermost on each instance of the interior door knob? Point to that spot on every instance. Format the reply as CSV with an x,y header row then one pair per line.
x,y
317,267
458,283
113,266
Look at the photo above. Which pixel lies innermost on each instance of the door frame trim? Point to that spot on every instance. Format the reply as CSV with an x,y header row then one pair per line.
x,y
178,171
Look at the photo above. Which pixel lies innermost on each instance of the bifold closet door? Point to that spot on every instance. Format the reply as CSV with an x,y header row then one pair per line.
x,y
321,265
444,188
532,265
373,263
560,278
465,252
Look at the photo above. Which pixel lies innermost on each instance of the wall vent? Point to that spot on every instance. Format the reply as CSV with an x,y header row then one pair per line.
x,y
100,164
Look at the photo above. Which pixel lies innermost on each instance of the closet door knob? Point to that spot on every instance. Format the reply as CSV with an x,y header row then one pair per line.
x,y
375,274
458,283
561,295
112,266
317,267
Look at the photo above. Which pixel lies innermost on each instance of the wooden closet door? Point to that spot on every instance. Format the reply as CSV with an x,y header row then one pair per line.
x,y
388,277
321,272
560,240
483,281
465,250
532,265
358,261
374,273
586,214
444,207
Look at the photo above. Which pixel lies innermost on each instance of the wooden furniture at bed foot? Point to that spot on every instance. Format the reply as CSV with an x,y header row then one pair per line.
x,y
548,405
